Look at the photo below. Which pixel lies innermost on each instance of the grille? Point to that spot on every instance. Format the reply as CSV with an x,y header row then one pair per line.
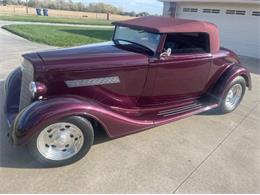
x,y
27,77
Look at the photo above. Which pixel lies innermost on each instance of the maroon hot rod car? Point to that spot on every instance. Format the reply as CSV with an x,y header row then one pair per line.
x,y
154,71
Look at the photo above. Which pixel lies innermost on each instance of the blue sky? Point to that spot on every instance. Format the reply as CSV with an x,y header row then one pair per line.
x,y
151,6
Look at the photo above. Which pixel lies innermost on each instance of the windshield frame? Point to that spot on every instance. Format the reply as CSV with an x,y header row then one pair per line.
x,y
154,52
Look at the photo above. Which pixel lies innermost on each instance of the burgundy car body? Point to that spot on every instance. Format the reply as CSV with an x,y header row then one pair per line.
x,y
145,91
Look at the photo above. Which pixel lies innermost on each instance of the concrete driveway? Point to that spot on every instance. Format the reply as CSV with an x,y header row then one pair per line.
x,y
11,49
206,153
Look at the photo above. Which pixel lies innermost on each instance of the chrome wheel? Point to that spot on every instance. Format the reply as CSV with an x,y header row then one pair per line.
x,y
234,96
60,141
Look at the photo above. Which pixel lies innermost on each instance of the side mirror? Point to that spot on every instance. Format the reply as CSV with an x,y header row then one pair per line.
x,y
167,53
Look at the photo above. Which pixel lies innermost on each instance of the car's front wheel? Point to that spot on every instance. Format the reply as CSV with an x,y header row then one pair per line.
x,y
63,142
233,95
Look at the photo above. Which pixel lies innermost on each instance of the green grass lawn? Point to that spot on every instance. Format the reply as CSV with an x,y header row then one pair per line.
x,y
49,19
61,36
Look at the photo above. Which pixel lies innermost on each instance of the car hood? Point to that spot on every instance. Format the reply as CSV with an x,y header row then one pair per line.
x,y
104,55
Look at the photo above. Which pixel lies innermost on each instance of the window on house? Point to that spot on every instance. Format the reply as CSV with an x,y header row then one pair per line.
x,y
214,11
256,13
190,9
230,11
240,12
187,43
237,12
206,10
194,10
186,9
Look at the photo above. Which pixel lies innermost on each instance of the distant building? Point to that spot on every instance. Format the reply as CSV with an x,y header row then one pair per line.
x,y
3,2
238,20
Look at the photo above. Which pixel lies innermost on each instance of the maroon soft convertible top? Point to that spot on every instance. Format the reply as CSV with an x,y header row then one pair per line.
x,y
160,24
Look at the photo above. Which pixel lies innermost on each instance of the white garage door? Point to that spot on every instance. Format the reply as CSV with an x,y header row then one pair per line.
x,y
239,25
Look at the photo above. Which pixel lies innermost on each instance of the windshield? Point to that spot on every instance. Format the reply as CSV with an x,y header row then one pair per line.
x,y
141,38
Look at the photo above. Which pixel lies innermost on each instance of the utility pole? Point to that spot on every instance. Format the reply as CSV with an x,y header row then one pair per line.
x,y
27,7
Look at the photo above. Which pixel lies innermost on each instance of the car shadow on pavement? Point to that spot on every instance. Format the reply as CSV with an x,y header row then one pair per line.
x,y
211,112
12,156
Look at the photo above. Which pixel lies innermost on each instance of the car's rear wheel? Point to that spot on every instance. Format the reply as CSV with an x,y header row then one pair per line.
x,y
62,142
233,95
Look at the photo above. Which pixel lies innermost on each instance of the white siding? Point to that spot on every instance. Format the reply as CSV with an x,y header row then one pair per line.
x,y
240,33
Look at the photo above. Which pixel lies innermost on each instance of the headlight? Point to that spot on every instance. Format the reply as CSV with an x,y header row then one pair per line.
x,y
33,88
37,89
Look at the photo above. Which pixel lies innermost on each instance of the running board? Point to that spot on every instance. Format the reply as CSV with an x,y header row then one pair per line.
x,y
177,113
180,110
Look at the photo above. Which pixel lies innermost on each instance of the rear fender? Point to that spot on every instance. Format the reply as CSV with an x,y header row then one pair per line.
x,y
42,113
227,77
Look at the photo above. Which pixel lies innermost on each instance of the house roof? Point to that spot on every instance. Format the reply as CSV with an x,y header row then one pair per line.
x,y
162,24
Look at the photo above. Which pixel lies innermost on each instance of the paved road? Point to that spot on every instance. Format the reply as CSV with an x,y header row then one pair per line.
x,y
11,49
205,153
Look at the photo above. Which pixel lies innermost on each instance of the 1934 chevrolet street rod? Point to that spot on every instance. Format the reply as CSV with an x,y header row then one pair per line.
x,y
154,71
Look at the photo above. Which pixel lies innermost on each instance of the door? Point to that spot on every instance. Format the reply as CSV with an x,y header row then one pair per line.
x,y
179,78
183,75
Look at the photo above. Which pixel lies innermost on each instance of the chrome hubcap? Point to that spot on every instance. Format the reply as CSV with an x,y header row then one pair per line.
x,y
60,141
233,97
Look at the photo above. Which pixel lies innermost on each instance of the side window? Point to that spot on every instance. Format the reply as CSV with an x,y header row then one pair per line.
x,y
187,43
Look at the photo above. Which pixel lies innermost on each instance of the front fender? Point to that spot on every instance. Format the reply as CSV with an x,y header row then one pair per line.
x,y
42,113
12,91
227,77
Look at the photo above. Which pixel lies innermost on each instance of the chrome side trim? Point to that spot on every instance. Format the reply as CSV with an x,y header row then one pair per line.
x,y
93,82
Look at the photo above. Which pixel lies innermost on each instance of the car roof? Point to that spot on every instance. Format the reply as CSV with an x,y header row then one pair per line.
x,y
162,24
